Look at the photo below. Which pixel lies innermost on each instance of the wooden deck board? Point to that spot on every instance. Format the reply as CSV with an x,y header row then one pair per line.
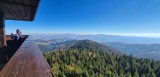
x,y
28,61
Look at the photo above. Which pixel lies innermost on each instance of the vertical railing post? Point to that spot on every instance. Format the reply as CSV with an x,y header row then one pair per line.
x,y
2,31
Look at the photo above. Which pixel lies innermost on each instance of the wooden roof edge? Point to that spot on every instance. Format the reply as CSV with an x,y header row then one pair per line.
x,y
35,8
17,3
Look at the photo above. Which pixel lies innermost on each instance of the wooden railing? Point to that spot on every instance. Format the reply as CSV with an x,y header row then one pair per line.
x,y
6,52
28,61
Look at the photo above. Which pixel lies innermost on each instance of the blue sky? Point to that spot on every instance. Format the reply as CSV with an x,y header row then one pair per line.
x,y
93,17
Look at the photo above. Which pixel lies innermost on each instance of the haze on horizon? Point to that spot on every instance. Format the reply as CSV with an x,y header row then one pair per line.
x,y
117,17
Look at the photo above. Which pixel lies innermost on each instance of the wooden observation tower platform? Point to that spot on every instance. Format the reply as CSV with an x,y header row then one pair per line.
x,y
20,58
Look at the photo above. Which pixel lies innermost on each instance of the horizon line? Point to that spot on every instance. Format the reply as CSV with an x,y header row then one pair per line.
x,y
146,35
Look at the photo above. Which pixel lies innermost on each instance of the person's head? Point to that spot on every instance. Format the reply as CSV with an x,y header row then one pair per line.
x,y
18,30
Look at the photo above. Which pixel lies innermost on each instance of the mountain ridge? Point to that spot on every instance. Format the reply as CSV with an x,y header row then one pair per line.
x,y
102,38
80,44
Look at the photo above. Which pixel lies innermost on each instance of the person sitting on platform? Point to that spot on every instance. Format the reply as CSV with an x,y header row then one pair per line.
x,y
17,36
19,33
14,36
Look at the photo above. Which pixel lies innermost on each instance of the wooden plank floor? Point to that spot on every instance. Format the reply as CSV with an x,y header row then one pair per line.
x,y
28,61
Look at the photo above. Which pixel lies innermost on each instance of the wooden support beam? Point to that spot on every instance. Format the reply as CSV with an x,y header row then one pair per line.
x,y
2,32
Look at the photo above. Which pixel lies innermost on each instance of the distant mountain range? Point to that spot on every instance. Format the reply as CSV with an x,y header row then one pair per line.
x,y
100,38
139,50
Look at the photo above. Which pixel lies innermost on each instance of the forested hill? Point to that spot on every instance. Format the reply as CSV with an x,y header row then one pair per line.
x,y
78,44
93,46
86,58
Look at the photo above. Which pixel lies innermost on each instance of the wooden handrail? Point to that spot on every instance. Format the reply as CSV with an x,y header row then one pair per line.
x,y
6,52
28,61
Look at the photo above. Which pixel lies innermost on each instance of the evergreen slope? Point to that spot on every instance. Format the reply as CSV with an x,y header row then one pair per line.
x,y
87,59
